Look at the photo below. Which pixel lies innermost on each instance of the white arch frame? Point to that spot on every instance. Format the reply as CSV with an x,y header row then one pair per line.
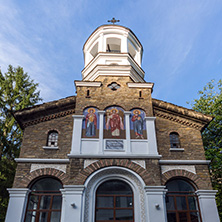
x,y
109,173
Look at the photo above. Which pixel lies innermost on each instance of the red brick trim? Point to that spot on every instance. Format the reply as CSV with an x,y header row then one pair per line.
x,y
45,172
83,174
200,184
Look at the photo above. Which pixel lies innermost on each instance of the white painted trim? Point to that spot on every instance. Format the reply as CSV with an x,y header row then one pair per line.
x,y
208,207
109,173
128,144
17,204
184,162
140,85
36,160
18,192
150,118
90,84
154,189
72,203
116,156
206,193
90,139
139,140
78,116
176,149
50,147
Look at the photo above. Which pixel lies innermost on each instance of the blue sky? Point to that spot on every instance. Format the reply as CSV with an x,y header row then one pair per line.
x,y
182,41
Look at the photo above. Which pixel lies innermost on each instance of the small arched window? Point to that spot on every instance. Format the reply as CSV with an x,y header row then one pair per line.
x,y
114,202
182,202
52,140
45,201
174,140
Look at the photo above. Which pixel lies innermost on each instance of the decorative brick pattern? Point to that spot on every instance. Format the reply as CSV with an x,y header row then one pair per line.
x,y
150,175
178,119
197,180
49,117
43,172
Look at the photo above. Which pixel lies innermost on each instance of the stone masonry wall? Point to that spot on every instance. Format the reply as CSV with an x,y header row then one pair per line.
x,y
35,137
190,140
101,97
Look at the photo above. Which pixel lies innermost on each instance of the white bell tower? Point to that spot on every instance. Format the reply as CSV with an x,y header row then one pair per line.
x,y
113,50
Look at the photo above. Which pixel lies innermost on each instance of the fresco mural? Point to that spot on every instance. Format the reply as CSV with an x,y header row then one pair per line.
x,y
137,124
90,126
114,126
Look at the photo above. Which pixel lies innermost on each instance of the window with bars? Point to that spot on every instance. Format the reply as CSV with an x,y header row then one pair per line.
x,y
182,202
114,202
45,201
52,140
174,140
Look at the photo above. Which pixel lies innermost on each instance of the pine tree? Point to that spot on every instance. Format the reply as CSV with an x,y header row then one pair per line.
x,y
17,91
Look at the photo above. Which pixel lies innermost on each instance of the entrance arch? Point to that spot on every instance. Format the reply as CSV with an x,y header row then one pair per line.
x,y
133,180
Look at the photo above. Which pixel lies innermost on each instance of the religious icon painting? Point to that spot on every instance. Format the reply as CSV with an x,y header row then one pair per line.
x,y
138,124
114,126
90,127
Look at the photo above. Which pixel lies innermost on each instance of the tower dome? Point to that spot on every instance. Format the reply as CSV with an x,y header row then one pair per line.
x,y
112,50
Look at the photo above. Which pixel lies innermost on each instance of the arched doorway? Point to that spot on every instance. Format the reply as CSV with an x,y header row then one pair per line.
x,y
114,202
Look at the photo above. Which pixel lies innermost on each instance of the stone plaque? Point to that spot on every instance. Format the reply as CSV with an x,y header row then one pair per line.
x,y
114,144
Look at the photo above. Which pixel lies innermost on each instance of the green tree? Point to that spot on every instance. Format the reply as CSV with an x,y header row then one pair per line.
x,y
210,102
17,91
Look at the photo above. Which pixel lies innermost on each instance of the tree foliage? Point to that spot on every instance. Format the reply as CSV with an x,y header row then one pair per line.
x,y
210,102
17,91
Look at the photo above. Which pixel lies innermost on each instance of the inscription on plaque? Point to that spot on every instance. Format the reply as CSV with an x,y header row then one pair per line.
x,y
114,144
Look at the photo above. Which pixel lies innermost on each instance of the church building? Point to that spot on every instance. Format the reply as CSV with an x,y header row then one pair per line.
x,y
112,152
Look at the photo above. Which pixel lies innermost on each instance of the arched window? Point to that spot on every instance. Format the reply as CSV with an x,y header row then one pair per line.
x,y
174,140
114,202
113,45
52,140
181,202
45,201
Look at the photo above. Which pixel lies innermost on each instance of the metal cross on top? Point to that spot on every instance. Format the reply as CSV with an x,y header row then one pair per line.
x,y
113,20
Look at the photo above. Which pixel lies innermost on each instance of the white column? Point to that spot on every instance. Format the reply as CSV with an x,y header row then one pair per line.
x,y
138,57
76,134
17,204
208,207
151,135
101,43
101,123
124,46
127,124
156,204
72,203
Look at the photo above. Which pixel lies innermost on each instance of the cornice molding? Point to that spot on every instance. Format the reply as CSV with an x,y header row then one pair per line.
x,y
140,85
178,119
184,112
47,118
37,160
116,156
87,84
185,162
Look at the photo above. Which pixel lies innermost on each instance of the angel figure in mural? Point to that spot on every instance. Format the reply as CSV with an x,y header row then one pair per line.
x,y
91,122
137,124
114,120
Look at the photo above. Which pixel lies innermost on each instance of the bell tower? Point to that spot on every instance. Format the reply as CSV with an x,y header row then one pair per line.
x,y
112,50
